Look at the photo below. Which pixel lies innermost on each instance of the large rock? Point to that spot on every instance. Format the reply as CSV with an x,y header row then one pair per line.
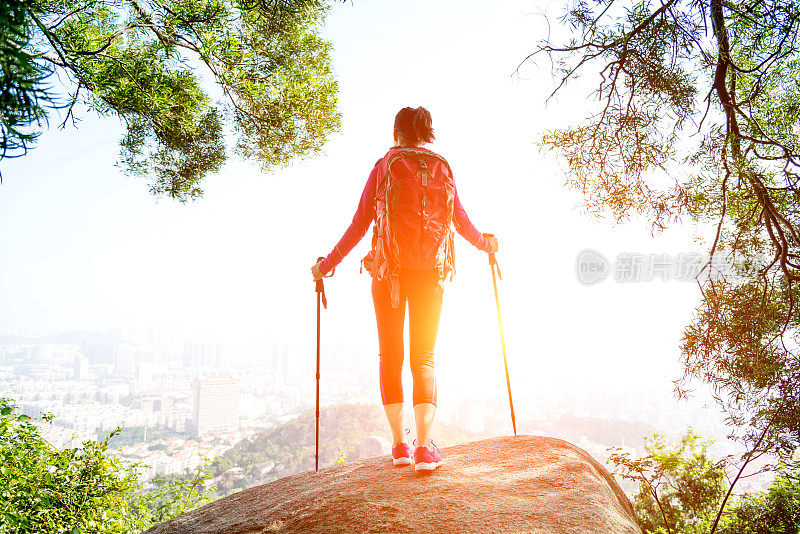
x,y
374,446
510,484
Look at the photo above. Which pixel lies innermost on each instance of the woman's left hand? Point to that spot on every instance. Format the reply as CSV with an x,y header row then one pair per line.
x,y
315,272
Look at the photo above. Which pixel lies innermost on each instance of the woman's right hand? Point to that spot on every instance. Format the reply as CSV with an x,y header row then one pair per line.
x,y
493,244
315,272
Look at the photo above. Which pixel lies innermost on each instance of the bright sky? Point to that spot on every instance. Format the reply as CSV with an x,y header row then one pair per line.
x,y
85,247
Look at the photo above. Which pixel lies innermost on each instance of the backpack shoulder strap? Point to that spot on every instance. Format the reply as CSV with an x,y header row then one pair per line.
x,y
383,167
441,158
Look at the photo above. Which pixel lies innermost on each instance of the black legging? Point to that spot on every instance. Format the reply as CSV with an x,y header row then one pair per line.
x,y
423,291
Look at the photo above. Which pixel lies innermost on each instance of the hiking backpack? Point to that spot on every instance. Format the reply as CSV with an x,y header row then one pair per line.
x,y
414,202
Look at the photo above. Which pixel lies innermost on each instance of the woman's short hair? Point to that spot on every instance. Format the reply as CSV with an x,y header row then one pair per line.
x,y
414,125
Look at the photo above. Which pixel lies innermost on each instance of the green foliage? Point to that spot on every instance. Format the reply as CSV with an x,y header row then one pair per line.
x,y
22,82
81,489
48,490
680,488
776,510
172,496
647,67
735,344
148,63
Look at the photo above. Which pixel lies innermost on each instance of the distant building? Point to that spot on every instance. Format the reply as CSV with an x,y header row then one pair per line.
x,y
81,368
38,364
216,405
280,359
124,360
472,417
202,355
144,372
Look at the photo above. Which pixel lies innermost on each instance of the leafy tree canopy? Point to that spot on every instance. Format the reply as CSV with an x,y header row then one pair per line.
x,y
147,61
680,490
697,116
680,487
774,510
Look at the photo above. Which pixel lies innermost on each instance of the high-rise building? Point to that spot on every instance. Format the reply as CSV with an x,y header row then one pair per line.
x,y
216,405
144,372
81,368
124,360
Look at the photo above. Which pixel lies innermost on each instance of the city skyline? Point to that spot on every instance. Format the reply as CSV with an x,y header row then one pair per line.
x,y
98,251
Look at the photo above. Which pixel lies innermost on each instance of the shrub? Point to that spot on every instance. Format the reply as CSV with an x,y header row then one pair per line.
x,y
44,489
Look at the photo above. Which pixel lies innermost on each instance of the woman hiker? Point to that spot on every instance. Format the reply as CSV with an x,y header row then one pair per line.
x,y
411,197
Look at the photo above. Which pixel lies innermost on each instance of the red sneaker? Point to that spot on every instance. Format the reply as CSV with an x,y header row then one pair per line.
x,y
401,454
426,459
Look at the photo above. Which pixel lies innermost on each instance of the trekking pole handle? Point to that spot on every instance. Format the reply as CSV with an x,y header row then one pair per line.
x,y
493,258
320,287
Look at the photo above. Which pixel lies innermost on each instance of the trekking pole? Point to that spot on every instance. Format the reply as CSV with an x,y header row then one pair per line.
x,y
320,289
494,265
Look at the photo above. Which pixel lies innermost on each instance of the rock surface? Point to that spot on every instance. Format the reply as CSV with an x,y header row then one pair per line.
x,y
509,484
